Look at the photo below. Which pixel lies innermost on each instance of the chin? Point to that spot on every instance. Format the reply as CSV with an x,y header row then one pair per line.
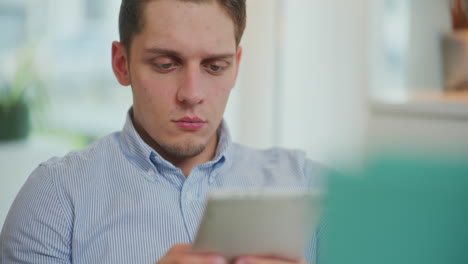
x,y
184,150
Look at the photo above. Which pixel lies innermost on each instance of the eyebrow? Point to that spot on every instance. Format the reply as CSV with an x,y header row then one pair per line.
x,y
174,53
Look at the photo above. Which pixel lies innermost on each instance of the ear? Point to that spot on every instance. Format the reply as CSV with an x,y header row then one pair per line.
x,y
120,63
238,59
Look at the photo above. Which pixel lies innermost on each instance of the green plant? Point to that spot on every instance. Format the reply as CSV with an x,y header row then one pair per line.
x,y
25,90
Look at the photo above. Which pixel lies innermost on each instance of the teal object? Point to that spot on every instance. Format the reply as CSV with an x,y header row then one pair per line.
x,y
399,209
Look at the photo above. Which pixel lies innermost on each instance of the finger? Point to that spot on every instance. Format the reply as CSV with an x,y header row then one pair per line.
x,y
174,253
178,249
180,254
266,260
201,259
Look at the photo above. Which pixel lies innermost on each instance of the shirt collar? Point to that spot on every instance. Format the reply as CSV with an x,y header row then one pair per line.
x,y
135,149
146,157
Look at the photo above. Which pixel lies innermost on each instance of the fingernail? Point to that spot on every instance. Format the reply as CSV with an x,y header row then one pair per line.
x,y
220,260
241,261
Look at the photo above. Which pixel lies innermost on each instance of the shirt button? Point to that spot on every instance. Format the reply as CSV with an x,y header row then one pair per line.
x,y
189,196
151,171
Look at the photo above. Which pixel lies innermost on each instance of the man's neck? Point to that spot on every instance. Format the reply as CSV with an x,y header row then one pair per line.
x,y
187,164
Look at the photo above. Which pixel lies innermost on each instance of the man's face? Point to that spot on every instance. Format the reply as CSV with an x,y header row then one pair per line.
x,y
182,68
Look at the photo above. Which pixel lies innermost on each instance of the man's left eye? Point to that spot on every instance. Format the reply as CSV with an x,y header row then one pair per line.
x,y
165,66
215,68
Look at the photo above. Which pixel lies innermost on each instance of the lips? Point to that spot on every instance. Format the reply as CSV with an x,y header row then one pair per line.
x,y
190,123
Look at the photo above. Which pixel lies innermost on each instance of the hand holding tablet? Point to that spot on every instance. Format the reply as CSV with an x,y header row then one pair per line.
x,y
267,223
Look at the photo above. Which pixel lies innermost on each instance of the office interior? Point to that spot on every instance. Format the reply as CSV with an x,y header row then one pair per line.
x,y
338,79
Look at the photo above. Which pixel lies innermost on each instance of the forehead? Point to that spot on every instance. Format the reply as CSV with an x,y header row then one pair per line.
x,y
187,26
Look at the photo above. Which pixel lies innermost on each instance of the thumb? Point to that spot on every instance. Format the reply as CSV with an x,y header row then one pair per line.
x,y
179,249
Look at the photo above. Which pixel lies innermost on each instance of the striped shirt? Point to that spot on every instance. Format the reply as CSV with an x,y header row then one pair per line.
x,y
118,201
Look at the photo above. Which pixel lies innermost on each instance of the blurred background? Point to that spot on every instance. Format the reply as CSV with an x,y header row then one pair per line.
x,y
337,79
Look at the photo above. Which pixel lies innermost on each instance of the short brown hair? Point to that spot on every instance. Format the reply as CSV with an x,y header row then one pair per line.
x,y
131,14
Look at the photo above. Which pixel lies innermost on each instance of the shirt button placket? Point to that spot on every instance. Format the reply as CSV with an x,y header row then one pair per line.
x,y
189,196
187,210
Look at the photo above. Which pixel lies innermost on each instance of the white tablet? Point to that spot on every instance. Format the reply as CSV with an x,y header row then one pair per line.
x,y
259,223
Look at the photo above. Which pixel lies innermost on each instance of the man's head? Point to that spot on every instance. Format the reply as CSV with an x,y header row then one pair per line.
x,y
184,62
131,20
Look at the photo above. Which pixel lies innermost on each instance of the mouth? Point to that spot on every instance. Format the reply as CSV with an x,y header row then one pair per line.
x,y
190,123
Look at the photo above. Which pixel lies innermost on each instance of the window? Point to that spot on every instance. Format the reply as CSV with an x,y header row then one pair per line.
x,y
70,43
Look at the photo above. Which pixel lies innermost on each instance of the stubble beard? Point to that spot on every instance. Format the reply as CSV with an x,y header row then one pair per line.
x,y
182,150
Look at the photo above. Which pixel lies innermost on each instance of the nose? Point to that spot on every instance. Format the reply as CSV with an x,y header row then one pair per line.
x,y
190,91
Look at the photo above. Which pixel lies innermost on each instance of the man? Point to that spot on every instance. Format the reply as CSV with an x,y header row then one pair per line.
x,y
137,196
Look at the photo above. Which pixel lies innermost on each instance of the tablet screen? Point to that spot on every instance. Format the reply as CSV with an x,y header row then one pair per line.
x,y
258,222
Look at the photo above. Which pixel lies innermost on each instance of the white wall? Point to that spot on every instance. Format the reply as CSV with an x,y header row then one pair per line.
x,y
311,94
251,105
326,79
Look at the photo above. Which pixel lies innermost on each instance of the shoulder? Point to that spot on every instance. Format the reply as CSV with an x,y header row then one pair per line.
x,y
78,169
282,155
75,170
101,147
40,220
106,148
286,166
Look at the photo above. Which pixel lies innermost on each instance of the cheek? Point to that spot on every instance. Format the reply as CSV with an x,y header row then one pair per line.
x,y
220,96
222,88
225,90
153,90
147,85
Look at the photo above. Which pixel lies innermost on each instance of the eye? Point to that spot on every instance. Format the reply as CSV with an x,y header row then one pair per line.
x,y
164,64
216,67
165,67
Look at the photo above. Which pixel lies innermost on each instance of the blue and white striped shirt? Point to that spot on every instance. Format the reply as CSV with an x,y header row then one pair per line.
x,y
118,201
